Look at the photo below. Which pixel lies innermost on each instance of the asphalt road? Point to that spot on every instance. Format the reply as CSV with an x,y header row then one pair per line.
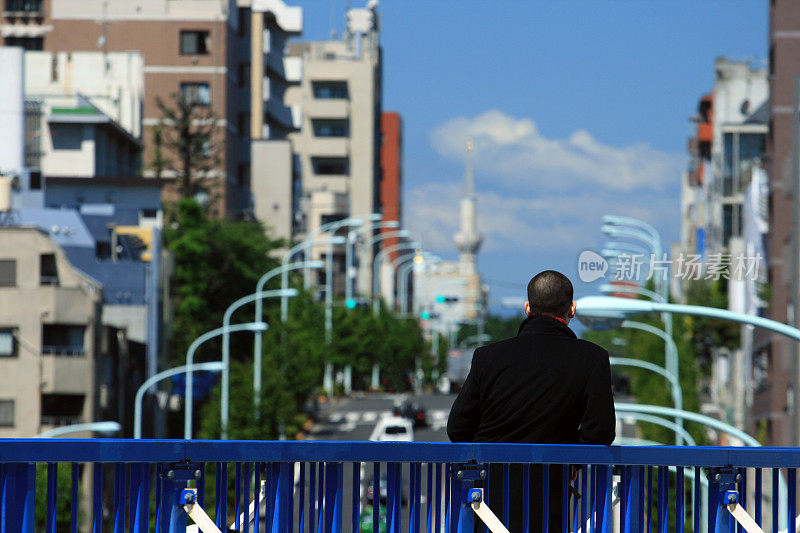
x,y
353,419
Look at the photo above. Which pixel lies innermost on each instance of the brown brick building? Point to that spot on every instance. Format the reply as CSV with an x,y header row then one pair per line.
x,y
774,404
198,49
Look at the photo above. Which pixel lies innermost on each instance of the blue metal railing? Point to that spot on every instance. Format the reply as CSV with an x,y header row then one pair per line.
x,y
319,487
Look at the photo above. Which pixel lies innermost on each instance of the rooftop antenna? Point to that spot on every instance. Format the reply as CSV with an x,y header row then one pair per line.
x,y
333,20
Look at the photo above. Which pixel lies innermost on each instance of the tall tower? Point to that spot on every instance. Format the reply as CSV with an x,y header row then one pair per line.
x,y
468,240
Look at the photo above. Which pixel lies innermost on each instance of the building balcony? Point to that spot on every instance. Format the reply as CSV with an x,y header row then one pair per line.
x,y
329,147
705,132
65,303
289,69
65,375
333,108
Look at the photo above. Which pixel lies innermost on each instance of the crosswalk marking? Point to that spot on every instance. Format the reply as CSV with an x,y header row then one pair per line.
x,y
437,418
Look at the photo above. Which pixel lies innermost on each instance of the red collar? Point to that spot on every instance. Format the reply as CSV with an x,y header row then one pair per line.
x,y
552,316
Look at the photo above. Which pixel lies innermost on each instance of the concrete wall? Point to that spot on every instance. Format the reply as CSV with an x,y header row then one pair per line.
x,y
271,185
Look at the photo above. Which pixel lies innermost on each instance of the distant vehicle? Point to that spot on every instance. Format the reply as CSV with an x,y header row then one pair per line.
x,y
393,429
444,384
415,412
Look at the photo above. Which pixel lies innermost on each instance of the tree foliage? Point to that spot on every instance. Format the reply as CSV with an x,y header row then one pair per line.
x,y
215,263
294,357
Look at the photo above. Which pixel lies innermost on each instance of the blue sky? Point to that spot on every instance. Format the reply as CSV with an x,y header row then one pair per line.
x,y
577,108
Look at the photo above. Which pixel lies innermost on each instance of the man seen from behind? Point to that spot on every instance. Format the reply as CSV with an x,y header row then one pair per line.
x,y
543,386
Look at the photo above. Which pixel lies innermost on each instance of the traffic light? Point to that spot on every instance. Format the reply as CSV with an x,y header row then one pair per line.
x,y
350,303
425,315
442,299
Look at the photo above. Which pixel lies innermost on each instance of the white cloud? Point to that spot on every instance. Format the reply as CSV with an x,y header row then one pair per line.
x,y
540,224
513,150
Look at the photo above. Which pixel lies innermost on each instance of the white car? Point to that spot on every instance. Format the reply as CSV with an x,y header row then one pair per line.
x,y
393,428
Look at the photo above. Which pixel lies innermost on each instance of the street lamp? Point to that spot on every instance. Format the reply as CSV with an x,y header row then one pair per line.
x,y
352,237
620,308
211,366
609,288
333,227
677,394
285,273
262,281
258,297
404,273
187,426
99,427
376,278
396,265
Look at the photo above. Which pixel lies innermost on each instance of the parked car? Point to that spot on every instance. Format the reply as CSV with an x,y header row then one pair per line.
x,y
415,412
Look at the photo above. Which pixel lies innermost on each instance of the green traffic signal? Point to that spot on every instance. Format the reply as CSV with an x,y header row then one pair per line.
x,y
350,303
425,315
440,299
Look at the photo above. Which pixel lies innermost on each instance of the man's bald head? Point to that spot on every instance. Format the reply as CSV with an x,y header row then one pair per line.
x,y
550,292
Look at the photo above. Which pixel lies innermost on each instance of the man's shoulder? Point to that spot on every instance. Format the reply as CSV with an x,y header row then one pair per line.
x,y
592,349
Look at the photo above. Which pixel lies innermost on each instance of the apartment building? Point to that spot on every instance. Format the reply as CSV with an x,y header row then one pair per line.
x,y
328,168
47,357
197,50
731,130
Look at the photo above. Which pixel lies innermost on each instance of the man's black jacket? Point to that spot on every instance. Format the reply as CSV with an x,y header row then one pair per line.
x,y
543,386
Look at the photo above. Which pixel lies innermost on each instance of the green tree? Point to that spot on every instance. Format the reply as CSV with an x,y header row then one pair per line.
x,y
215,263
294,356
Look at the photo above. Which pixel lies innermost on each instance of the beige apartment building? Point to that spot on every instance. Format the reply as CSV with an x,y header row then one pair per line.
x,y
49,326
198,49
329,167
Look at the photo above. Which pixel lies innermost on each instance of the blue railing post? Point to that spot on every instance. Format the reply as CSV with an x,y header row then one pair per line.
x,y
19,491
334,474
463,479
284,486
720,481
603,498
175,480
632,489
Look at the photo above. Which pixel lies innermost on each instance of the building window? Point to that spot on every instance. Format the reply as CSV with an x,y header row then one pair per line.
x,y
331,166
6,413
195,93
336,217
329,90
60,339
24,6
62,409
8,344
331,127
195,42
48,272
28,43
8,272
